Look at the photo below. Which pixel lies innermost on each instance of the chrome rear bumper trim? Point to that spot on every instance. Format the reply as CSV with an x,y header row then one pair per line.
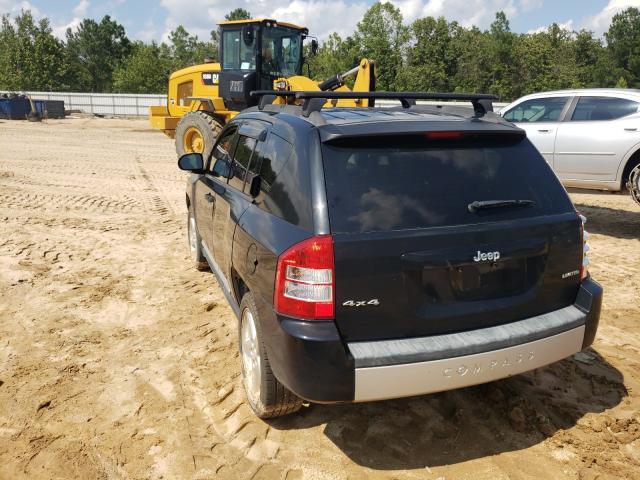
x,y
404,380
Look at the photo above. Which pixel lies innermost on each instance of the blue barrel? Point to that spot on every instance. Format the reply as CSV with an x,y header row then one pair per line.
x,y
14,108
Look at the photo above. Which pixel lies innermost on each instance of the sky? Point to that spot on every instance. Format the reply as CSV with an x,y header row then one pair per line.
x,y
153,19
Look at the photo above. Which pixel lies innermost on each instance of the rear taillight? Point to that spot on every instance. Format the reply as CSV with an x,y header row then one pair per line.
x,y
305,280
584,235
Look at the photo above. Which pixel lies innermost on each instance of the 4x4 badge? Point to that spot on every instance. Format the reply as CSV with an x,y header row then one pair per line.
x,y
361,303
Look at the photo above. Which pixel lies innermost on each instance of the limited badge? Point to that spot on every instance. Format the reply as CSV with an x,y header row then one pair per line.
x,y
571,274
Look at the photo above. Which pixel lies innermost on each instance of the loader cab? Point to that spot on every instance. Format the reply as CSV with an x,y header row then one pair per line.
x,y
253,53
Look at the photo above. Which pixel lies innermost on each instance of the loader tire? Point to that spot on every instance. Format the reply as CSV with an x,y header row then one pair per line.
x,y
633,184
197,132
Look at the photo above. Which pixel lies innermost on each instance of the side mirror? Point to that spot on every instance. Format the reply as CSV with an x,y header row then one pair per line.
x,y
191,162
314,46
254,186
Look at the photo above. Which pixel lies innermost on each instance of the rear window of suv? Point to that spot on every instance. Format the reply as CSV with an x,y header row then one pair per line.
x,y
412,182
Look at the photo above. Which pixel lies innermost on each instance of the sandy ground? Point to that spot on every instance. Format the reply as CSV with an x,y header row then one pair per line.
x,y
119,360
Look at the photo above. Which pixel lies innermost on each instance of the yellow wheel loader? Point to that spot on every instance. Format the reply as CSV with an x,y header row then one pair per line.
x,y
257,54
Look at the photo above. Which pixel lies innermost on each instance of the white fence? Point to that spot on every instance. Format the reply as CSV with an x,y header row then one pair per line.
x,y
132,104
116,104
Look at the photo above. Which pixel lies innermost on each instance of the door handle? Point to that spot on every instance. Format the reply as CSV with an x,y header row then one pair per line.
x,y
210,198
631,129
544,130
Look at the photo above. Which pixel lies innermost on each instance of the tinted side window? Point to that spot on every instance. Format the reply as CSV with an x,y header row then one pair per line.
x,y
254,166
241,160
537,110
603,108
275,153
221,155
275,180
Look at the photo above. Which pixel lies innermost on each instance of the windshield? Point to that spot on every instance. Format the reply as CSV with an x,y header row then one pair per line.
x,y
236,54
281,51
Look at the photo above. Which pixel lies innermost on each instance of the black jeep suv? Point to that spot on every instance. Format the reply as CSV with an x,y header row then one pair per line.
x,y
373,253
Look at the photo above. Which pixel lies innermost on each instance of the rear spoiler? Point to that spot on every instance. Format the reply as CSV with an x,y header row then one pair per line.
x,y
432,130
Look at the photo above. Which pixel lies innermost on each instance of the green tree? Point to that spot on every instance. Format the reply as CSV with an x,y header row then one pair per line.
x,y
594,65
382,37
622,83
546,61
623,43
430,54
238,14
95,50
503,61
471,48
146,70
335,55
31,58
430,62
187,49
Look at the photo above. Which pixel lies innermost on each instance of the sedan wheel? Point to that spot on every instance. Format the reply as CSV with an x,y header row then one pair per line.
x,y
634,184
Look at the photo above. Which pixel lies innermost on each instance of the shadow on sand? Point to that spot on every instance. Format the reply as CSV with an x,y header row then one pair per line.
x,y
610,221
461,425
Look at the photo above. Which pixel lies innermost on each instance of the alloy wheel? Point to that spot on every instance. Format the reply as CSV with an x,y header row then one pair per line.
x,y
250,357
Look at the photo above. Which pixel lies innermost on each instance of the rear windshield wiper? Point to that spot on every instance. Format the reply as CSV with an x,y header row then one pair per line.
x,y
485,204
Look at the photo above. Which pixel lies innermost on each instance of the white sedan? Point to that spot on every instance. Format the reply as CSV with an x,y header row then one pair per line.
x,y
590,137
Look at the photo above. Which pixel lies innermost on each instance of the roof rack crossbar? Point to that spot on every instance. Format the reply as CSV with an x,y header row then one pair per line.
x,y
482,102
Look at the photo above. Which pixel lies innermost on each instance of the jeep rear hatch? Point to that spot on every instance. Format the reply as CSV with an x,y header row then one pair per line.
x,y
446,232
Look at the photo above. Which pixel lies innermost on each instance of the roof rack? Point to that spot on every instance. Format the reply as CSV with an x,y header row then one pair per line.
x,y
315,100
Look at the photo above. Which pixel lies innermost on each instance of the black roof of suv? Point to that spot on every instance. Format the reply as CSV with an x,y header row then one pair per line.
x,y
358,120
382,252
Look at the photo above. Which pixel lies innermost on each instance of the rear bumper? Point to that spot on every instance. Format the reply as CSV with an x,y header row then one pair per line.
x,y
312,361
407,379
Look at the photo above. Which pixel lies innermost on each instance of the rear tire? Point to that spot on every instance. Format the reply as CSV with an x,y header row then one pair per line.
x,y
267,397
195,124
633,183
194,242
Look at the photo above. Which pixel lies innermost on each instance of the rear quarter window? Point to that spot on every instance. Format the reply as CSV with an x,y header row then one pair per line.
x,y
410,183
603,108
284,190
